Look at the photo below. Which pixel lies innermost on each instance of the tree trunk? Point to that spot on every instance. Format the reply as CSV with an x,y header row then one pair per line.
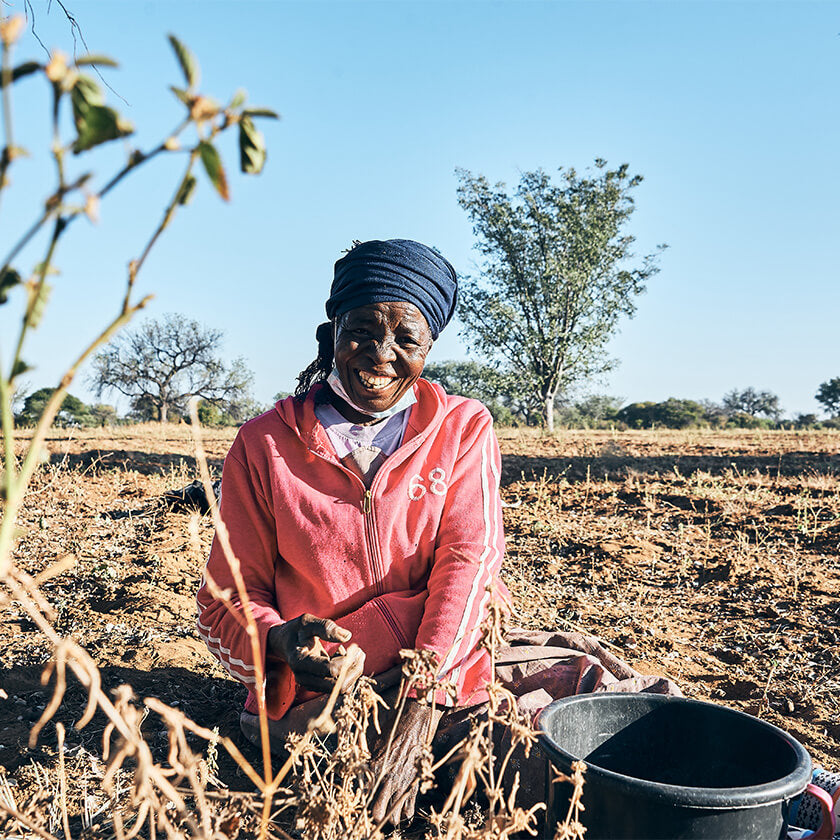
x,y
549,413
163,412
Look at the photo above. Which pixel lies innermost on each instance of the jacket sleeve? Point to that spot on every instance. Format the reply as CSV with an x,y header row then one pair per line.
x,y
251,529
465,571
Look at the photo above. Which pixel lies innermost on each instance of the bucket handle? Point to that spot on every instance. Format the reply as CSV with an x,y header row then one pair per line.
x,y
827,826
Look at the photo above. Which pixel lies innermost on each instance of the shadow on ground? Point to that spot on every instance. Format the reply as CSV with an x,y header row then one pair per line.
x,y
578,468
209,701
146,463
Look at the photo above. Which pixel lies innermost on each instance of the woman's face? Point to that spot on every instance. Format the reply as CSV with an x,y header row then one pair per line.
x,y
380,350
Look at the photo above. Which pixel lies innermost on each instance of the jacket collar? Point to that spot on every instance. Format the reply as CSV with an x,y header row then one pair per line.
x,y
299,415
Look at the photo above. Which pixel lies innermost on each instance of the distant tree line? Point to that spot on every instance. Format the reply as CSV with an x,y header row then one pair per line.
x,y
748,408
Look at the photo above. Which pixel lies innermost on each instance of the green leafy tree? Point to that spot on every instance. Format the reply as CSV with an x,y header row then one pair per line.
x,y
557,275
479,382
670,414
104,415
164,363
828,396
233,413
71,412
591,412
752,402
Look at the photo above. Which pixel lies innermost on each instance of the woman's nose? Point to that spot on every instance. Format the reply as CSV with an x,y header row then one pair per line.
x,y
383,350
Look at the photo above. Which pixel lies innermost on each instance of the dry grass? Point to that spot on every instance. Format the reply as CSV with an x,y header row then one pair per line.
x,y
710,557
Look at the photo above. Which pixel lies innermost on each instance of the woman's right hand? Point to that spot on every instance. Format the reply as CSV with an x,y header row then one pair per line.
x,y
296,643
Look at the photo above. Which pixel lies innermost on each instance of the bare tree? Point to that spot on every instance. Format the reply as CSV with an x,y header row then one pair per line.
x,y
164,363
752,402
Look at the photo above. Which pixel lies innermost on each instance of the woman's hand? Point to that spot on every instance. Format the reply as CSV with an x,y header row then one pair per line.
x,y
397,793
297,643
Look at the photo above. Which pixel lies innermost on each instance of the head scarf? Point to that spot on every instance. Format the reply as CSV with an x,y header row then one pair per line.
x,y
395,270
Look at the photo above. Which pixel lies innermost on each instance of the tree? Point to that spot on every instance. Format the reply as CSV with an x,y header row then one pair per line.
x,y
670,414
590,412
556,275
162,364
752,402
828,396
477,381
71,413
103,414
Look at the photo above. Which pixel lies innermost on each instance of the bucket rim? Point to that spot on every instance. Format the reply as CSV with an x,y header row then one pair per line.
x,y
753,796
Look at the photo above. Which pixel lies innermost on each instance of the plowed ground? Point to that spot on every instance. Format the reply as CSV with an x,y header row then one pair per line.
x,y
709,557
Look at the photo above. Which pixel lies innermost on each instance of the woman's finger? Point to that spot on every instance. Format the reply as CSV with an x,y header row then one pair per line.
x,y
321,674
323,628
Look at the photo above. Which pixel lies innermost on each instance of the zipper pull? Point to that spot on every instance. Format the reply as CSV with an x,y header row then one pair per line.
x,y
366,504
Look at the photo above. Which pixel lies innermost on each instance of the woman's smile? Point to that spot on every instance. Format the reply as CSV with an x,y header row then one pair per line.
x,y
374,381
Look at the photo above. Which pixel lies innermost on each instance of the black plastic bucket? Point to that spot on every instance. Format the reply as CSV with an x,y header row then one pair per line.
x,y
662,768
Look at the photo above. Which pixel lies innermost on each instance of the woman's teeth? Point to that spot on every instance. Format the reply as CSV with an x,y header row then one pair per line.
x,y
374,382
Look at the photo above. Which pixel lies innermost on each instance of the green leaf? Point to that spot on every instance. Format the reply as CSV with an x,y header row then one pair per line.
x,y
238,99
214,168
261,112
8,279
188,62
25,69
47,270
39,294
96,58
251,147
86,93
99,125
182,95
19,368
187,190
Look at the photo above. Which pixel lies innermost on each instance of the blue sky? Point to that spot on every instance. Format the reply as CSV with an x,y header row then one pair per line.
x,y
729,111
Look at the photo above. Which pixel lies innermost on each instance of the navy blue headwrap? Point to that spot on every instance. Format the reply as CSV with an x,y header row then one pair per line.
x,y
395,270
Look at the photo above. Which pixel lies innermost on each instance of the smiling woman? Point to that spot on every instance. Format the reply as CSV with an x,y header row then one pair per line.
x,y
366,507
365,512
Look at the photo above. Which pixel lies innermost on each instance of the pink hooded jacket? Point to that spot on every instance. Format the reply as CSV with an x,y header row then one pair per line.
x,y
410,563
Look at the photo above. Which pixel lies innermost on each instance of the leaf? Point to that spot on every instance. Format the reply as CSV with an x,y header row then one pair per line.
x,y
182,95
261,112
187,190
238,99
48,271
8,279
251,147
99,125
96,58
25,69
85,94
188,62
19,368
39,294
214,168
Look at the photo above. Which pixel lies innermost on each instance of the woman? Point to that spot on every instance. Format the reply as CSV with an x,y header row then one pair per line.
x,y
365,508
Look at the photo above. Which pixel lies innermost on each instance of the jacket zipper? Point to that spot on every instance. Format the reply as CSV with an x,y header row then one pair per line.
x,y
372,541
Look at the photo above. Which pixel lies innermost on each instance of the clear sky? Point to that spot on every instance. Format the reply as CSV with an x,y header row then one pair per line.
x,y
729,111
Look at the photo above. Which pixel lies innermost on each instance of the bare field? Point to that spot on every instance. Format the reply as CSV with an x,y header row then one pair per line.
x,y
710,557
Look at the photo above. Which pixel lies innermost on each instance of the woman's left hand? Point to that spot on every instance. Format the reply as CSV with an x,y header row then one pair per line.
x,y
397,794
